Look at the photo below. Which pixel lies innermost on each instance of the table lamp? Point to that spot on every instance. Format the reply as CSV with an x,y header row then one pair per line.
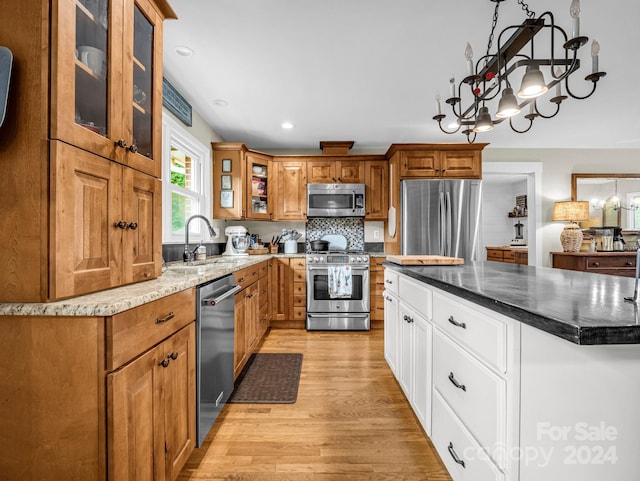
x,y
572,212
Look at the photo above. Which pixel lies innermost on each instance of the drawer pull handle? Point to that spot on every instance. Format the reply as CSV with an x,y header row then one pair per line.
x,y
241,279
456,383
388,281
629,264
165,362
457,324
455,456
174,355
408,319
596,264
170,316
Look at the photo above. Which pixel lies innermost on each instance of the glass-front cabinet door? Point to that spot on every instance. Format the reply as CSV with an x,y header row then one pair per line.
x,y
258,186
106,71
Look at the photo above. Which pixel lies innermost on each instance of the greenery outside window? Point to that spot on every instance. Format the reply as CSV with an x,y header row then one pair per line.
x,y
186,174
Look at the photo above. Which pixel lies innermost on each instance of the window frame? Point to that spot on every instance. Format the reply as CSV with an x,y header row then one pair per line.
x,y
201,163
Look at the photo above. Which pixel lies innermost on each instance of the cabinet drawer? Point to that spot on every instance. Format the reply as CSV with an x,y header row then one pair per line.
x,y
391,281
298,263
299,313
509,256
416,295
595,263
300,301
494,255
299,276
483,335
376,282
263,269
132,332
299,289
247,276
451,438
375,264
479,397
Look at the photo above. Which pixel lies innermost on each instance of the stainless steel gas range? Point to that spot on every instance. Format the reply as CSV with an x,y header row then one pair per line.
x,y
338,290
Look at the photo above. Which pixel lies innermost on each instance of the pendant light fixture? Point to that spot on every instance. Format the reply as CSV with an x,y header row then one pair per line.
x,y
515,57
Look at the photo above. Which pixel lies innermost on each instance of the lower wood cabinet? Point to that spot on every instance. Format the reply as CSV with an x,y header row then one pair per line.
x,y
289,294
151,411
99,398
507,254
251,314
376,288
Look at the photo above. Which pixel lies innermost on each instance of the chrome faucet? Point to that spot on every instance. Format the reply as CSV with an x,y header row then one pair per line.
x,y
191,255
635,290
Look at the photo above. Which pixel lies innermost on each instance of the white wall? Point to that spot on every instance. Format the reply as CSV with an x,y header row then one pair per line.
x,y
498,199
557,167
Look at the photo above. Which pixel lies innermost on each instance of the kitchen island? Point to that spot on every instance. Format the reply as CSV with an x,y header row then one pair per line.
x,y
518,372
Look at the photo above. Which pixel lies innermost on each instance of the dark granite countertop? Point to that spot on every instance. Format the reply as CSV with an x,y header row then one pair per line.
x,y
581,307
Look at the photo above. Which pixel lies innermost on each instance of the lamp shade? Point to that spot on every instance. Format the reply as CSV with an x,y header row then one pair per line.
x,y
571,211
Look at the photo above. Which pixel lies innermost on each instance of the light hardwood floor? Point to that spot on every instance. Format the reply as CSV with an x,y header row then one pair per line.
x,y
350,422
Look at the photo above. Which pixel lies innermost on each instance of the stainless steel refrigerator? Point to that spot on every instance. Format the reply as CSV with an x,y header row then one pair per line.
x,y
441,217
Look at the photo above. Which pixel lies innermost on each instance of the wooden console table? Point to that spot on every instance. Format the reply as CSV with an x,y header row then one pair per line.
x,y
613,263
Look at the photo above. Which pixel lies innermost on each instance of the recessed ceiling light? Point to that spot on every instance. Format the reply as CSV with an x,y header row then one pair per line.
x,y
184,51
220,103
287,125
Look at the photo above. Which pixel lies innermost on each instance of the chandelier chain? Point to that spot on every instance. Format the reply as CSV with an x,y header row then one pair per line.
x,y
496,14
525,7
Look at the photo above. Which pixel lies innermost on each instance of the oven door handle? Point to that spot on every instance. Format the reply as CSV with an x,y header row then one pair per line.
x,y
324,268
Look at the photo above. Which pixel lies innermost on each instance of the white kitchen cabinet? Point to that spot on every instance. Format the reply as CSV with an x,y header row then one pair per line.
x,y
391,331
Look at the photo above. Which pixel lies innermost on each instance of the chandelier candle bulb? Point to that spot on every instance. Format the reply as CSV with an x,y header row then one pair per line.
x,y
468,54
559,84
452,85
438,104
595,51
574,11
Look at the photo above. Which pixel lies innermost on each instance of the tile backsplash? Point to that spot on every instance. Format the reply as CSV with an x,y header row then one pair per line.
x,y
351,228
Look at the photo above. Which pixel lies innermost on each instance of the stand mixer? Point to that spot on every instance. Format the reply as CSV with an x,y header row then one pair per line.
x,y
237,241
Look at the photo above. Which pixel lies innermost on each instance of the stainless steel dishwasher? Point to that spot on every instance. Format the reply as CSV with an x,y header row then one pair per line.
x,y
214,350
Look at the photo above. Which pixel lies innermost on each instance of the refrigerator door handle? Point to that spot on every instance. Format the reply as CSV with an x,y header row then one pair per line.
x,y
442,214
448,223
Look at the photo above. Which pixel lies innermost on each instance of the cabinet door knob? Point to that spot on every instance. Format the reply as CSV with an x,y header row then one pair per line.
x,y
174,355
133,225
165,362
457,324
120,224
133,148
121,143
456,383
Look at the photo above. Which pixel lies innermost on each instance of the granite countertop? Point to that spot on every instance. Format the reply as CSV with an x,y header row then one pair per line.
x,y
177,277
581,307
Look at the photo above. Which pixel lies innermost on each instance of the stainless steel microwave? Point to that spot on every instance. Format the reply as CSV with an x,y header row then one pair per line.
x,y
335,200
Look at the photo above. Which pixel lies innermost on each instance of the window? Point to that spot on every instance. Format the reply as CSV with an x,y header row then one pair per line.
x,y
186,174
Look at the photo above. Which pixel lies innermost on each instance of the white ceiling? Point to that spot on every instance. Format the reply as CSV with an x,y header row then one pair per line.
x,y
369,70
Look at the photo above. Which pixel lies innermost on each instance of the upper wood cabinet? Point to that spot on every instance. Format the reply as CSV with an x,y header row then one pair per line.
x,y
291,188
459,161
106,78
229,180
90,75
335,171
106,228
377,189
259,186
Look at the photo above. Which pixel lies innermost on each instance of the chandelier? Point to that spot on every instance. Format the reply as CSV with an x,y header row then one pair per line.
x,y
517,56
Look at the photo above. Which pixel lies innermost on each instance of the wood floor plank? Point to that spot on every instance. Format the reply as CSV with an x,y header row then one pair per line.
x,y
350,422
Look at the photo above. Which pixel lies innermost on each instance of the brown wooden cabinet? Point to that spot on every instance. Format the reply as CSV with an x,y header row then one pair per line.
x,y
229,160
281,280
251,312
88,398
106,228
102,71
259,186
377,189
299,294
151,430
335,172
106,79
459,161
516,255
291,190
613,263
376,287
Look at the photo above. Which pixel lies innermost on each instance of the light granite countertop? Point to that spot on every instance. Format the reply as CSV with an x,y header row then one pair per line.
x,y
177,277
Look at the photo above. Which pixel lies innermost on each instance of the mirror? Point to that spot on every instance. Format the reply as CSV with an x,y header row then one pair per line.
x,y
614,199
